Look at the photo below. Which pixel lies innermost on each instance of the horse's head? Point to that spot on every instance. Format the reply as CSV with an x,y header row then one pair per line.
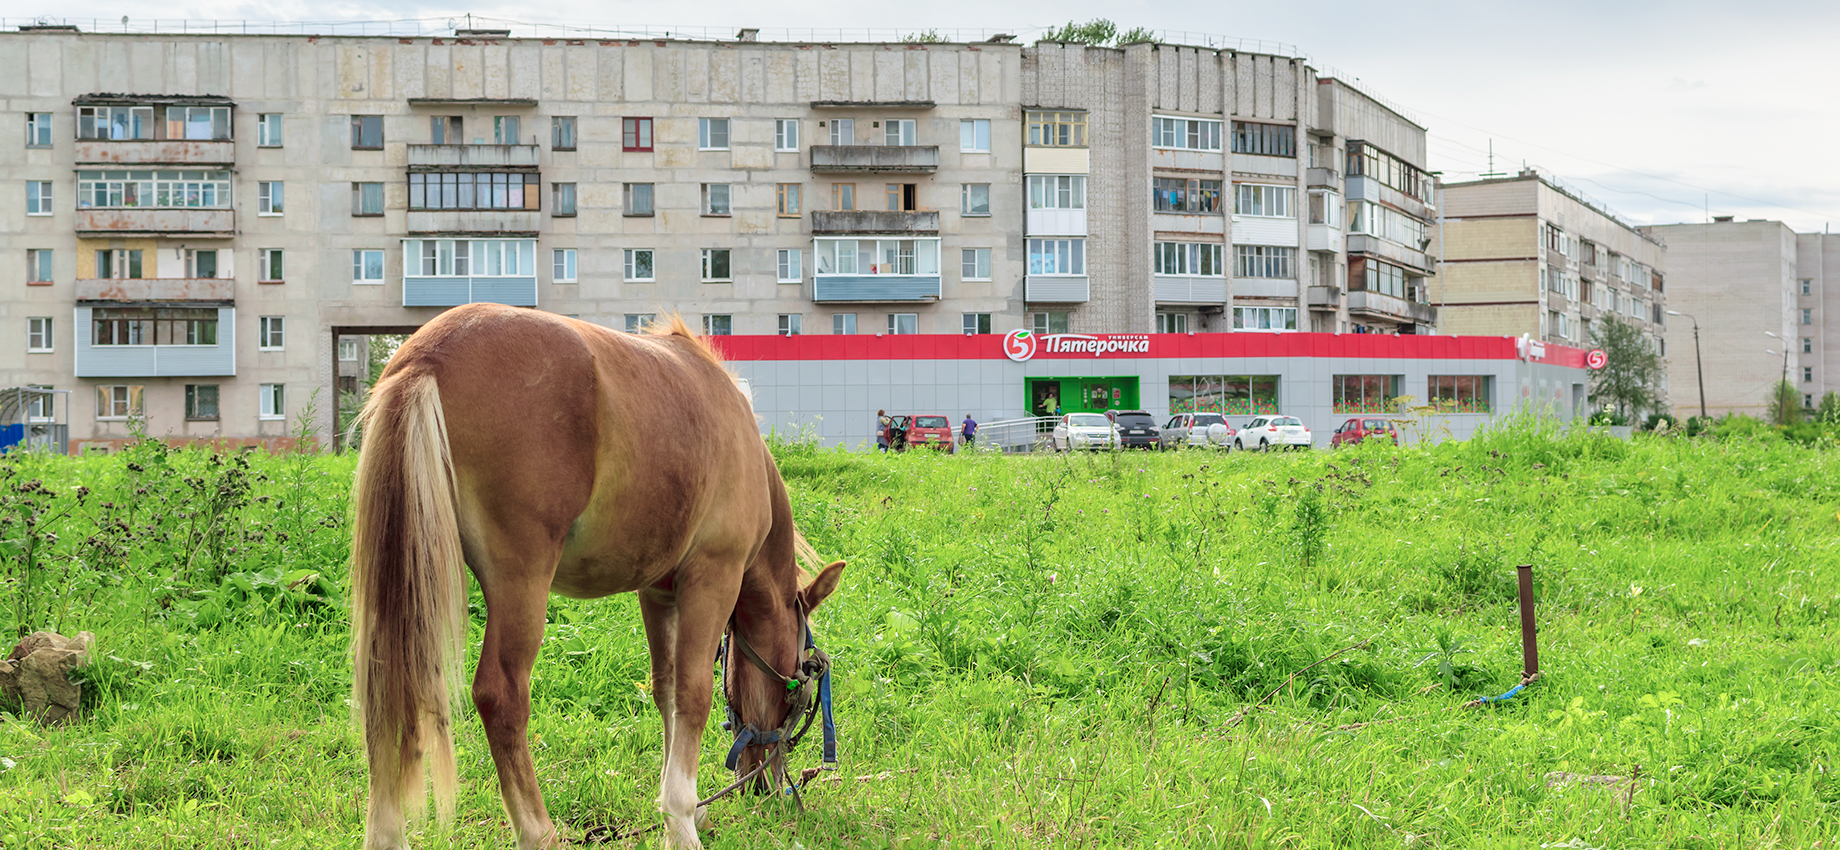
x,y
772,678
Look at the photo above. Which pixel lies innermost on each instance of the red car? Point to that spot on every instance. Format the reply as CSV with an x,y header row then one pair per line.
x,y
928,430
1355,430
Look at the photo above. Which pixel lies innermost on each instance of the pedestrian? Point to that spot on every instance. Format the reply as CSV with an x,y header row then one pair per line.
x,y
882,424
970,431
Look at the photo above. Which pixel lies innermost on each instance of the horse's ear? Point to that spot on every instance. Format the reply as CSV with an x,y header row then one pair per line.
x,y
821,587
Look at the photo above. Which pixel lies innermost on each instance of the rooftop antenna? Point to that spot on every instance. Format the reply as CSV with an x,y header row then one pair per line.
x,y
1491,173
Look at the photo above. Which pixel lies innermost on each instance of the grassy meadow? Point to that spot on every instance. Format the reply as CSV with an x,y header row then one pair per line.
x,y
1054,651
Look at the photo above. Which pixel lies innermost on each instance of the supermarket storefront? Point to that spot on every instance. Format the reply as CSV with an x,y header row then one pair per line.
x,y
832,385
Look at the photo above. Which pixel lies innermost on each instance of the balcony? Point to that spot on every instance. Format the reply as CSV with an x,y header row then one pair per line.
x,y
1260,230
1389,307
476,222
1370,189
199,223
1171,289
160,289
881,159
1057,222
156,361
455,291
861,288
1318,177
1037,289
1322,237
1323,297
151,152
1393,252
432,157
874,221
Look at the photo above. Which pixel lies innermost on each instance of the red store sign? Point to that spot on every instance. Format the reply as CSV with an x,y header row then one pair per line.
x,y
1021,345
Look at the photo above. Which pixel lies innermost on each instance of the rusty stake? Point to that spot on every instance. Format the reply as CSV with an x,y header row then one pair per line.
x,y
1530,649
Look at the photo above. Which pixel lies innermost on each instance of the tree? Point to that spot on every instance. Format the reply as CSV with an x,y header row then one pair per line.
x,y
1098,32
1632,370
1785,404
1829,411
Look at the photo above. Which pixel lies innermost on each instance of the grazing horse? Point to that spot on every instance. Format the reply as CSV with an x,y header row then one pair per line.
x,y
551,455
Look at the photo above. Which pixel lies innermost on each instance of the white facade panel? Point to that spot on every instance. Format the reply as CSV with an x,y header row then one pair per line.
x,y
1249,230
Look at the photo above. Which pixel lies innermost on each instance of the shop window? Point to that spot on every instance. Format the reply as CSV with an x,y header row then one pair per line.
x,y
1460,393
1224,394
1364,393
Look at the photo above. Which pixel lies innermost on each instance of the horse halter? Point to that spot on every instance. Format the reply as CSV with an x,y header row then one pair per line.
x,y
811,683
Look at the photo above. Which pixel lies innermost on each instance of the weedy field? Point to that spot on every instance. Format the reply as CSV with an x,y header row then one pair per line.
x,y
1031,652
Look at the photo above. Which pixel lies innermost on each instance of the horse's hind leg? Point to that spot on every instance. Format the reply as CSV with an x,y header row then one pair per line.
x,y
516,589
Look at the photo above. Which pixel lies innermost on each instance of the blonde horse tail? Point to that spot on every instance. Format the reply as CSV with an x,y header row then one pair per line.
x,y
408,604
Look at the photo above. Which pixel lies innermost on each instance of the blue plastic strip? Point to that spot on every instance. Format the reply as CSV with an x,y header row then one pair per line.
x,y
830,723
1504,697
741,742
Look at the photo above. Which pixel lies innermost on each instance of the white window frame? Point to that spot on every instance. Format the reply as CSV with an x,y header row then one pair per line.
x,y
638,322
271,402
967,194
790,265
710,131
1264,200
39,198
725,191
1267,316
843,324
1043,322
786,135
1172,323
630,265
131,401
271,333
710,321
842,131
271,197
709,255
977,260
271,260
1189,134
904,132
1071,250
1330,203
897,320
1186,259
1057,191
359,264
790,324
974,135
41,335
562,265
349,344
1264,258
38,126
925,256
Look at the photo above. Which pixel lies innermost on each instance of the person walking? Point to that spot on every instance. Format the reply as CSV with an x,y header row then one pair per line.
x,y
969,430
882,424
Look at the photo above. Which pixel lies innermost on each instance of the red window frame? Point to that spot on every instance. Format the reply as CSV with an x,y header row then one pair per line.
x,y
636,134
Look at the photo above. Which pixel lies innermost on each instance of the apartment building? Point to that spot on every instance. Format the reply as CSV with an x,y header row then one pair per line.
x,y
1178,189
211,223
1756,290
1523,256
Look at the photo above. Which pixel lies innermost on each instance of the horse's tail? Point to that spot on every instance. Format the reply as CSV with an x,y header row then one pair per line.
x,y
408,605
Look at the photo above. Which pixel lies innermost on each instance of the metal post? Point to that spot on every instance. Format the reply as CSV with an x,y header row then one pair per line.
x,y
1530,650
1699,365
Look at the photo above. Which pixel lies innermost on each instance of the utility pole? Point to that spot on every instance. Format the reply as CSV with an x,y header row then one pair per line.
x,y
1699,363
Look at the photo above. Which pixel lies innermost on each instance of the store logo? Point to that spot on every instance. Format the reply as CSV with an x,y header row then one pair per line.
x,y
1597,359
1019,345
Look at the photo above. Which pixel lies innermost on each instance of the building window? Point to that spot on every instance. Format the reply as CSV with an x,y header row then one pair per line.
x,y
636,134
1181,195
1231,395
40,407
1365,160
367,199
1326,208
467,257
119,264
1057,256
153,326
1056,129
1364,393
1257,199
1188,258
367,266
1264,318
446,130
1172,323
268,130
1807,286
1807,374
843,323
1264,139
718,324
974,135
843,196
273,401
201,262
505,130
900,131
562,199
842,131
638,198
715,199
903,323
786,134
38,266
38,197
118,401
348,349
790,270
200,401
38,129
269,195
974,199
562,265
38,334
1264,261
1807,345
788,202
712,134
1063,191
1460,393
271,333
1808,400
1807,315
715,265
639,322
974,264
876,256
976,323
639,265
1366,274
367,132
1387,223
114,123
198,123
903,197
789,323
1196,134
173,189
1049,322
474,190
562,132
271,267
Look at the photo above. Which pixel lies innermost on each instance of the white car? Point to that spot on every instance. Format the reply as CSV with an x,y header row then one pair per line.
x,y
1264,432
1197,430
1084,431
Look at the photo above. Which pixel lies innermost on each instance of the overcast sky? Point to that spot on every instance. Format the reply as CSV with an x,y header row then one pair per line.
x,y
1660,111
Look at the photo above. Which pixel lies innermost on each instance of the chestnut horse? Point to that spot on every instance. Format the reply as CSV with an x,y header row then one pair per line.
x,y
552,455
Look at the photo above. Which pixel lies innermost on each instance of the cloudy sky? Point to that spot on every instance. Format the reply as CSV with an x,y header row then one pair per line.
x,y
1662,111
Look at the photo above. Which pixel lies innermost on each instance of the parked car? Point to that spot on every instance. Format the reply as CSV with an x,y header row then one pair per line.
x,y
931,431
1136,429
1355,430
1264,432
1083,431
1198,430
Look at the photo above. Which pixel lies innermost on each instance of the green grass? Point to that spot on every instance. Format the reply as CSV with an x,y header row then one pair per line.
x,y
1030,651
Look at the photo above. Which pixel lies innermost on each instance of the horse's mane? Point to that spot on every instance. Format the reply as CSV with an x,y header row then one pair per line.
x,y
674,325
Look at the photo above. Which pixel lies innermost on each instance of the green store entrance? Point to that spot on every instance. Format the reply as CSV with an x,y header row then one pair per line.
x,y
1052,396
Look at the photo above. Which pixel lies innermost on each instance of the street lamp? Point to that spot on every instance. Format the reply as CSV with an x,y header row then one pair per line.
x,y
1699,364
1785,354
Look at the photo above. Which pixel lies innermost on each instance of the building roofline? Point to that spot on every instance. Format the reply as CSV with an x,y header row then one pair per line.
x,y
1531,174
